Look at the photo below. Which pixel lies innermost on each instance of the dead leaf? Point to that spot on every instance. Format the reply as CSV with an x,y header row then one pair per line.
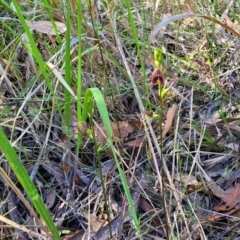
x,y
189,180
186,9
216,216
191,183
107,166
190,3
137,124
120,130
237,213
213,161
216,190
169,120
137,143
65,168
47,27
79,234
186,179
230,199
233,146
232,25
215,143
219,122
234,126
1,104
95,222
50,199
82,127
198,188
147,207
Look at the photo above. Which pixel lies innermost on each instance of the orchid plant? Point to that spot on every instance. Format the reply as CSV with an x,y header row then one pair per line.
x,y
157,76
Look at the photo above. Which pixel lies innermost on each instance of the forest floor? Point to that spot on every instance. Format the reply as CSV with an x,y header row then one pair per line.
x,y
171,169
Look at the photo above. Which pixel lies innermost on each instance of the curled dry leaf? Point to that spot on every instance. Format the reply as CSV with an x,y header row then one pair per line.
x,y
120,130
230,199
95,222
47,27
232,25
169,120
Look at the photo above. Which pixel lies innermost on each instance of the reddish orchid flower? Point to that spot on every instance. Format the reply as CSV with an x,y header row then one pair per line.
x,y
157,76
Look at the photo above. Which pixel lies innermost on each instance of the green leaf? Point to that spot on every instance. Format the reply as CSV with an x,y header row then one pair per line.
x,y
95,93
23,177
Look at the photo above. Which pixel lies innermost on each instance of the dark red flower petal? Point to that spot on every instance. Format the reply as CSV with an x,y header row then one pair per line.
x,y
157,76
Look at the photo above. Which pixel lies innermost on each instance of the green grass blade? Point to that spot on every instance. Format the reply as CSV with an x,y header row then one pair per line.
x,y
49,13
79,80
95,93
6,6
79,77
67,97
34,49
136,41
23,177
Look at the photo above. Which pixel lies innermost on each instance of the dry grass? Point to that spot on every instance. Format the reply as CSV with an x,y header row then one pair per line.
x,y
172,180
